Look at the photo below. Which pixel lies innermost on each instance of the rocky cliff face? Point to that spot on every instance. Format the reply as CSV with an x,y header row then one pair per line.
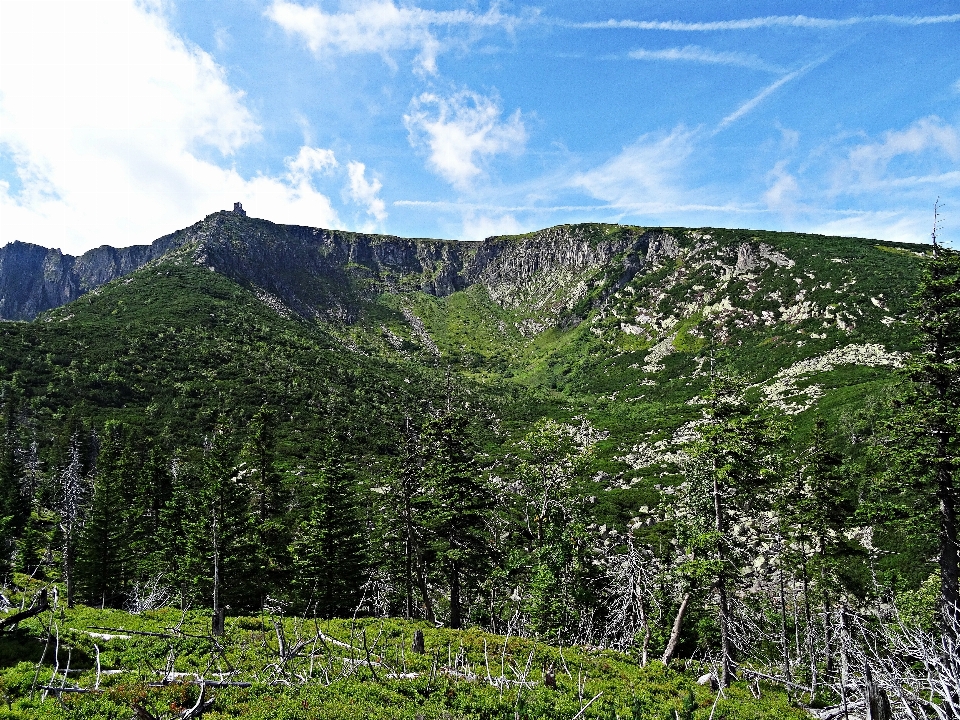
x,y
34,278
555,274
332,274
314,271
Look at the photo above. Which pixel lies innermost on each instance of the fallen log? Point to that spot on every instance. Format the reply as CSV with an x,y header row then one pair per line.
x,y
28,613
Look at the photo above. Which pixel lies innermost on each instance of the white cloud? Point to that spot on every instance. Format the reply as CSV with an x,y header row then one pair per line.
x,y
899,226
792,21
697,54
118,127
480,227
365,192
379,26
647,172
917,153
784,191
462,132
308,161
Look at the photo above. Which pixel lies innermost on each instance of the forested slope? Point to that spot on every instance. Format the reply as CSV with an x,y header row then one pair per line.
x,y
677,443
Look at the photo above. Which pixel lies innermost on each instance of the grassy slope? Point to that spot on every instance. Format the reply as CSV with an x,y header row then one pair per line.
x,y
593,368
178,348
176,340
354,672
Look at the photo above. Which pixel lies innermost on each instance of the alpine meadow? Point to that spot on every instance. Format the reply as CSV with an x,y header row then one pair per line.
x,y
594,471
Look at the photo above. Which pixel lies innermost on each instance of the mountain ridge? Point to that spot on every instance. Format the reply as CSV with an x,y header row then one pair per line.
x,y
287,260
34,279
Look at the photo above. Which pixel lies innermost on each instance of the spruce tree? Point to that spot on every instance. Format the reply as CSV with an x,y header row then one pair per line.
x,y
549,553
397,539
270,503
220,554
815,509
69,501
927,441
455,507
175,540
14,505
151,492
729,468
103,559
329,549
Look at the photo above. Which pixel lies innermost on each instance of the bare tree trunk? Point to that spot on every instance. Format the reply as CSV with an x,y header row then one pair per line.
x,y
727,667
68,569
217,624
723,604
784,640
827,622
408,554
455,620
427,604
811,645
646,630
675,631
844,658
878,705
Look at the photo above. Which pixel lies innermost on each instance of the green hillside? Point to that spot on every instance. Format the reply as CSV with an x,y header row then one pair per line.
x,y
513,436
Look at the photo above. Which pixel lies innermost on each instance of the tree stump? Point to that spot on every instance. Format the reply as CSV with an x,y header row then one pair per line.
x,y
418,646
550,678
218,618
878,705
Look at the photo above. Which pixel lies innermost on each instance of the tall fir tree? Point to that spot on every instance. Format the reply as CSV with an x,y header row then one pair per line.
x,y
550,549
815,507
730,465
150,494
330,549
14,502
69,501
936,379
103,571
270,508
175,539
919,447
455,506
220,552
397,531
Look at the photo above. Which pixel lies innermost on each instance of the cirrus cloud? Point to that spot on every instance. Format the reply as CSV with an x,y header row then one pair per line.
x,y
922,154
697,54
381,27
651,170
770,21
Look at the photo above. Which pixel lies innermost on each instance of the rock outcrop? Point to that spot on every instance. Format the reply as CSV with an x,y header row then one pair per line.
x,y
34,278
318,272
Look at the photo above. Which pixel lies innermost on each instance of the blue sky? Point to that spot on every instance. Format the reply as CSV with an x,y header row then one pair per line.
x,y
121,121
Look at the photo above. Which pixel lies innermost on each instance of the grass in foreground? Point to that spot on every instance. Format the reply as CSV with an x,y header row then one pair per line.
x,y
89,663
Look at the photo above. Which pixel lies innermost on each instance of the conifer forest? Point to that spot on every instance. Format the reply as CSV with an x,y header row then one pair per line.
x,y
596,471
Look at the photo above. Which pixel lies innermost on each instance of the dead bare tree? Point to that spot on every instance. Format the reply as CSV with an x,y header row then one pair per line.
x,y
631,603
72,490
